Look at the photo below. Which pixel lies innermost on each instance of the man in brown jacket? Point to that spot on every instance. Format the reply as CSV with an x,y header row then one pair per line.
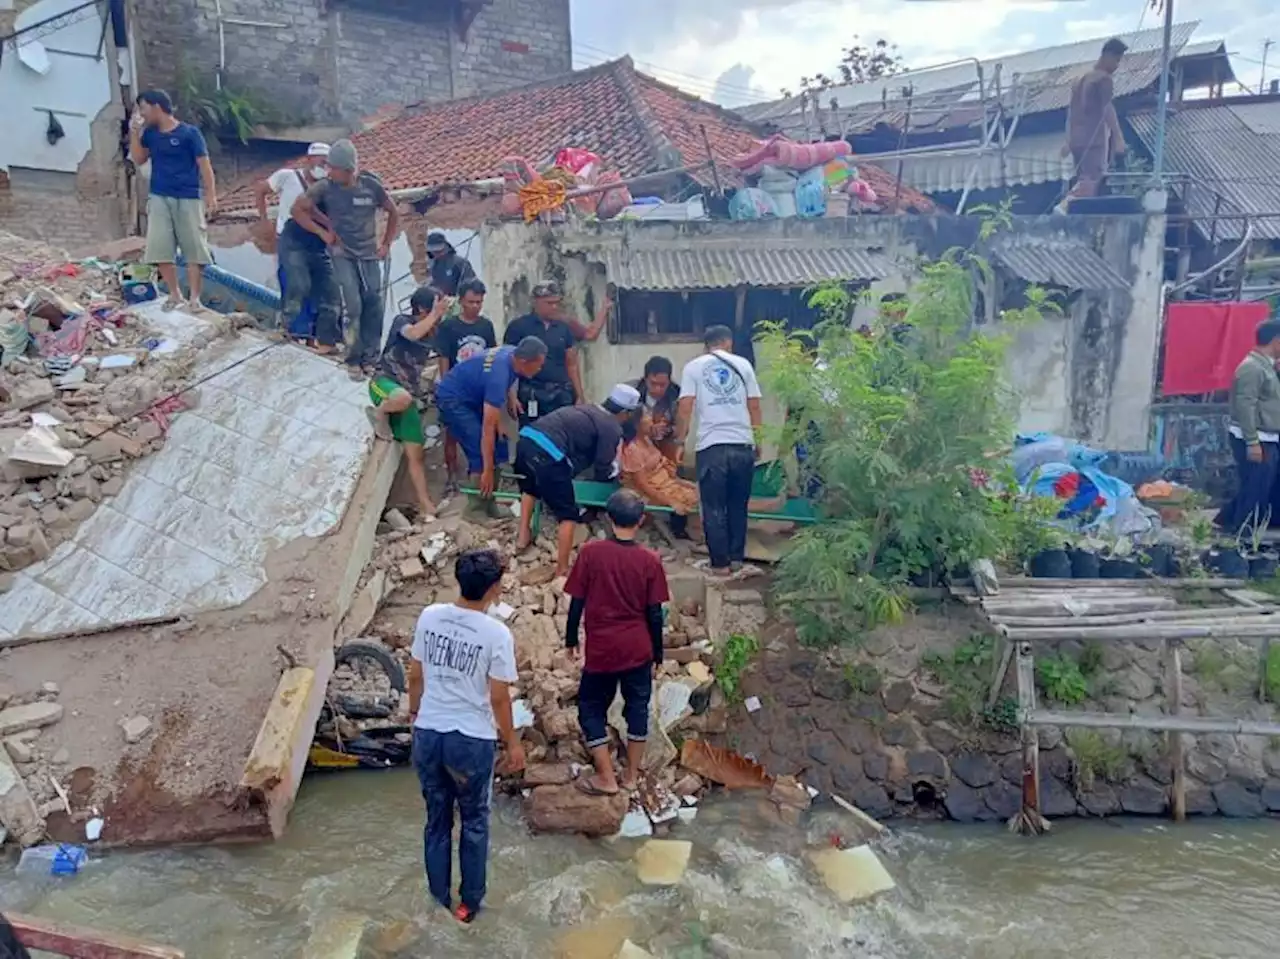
x,y
1255,430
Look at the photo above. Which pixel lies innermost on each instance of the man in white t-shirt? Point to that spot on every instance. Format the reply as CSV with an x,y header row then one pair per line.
x,y
463,665
722,389
286,185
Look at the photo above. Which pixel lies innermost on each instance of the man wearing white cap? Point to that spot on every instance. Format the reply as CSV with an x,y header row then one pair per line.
x,y
286,185
562,444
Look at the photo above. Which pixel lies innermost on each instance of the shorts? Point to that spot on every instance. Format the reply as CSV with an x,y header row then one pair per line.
x,y
1090,162
547,479
596,693
173,224
466,425
406,427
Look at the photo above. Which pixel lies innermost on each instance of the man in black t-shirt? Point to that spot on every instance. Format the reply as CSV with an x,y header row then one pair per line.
x,y
559,383
459,339
449,271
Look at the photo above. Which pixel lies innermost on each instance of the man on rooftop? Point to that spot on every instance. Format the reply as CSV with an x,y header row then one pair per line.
x,y
1093,129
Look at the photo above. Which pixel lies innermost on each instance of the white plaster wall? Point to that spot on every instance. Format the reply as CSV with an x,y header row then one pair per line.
x,y
76,88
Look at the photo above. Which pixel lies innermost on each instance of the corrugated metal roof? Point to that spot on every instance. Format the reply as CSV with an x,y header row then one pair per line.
x,y
719,266
1030,159
1231,151
949,97
1066,262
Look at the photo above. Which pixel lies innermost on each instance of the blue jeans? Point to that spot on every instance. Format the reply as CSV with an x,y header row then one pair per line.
x,y
361,284
308,289
455,770
466,425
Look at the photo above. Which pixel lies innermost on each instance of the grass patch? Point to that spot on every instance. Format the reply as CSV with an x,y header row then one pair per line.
x,y
863,679
1271,675
735,657
965,673
1095,757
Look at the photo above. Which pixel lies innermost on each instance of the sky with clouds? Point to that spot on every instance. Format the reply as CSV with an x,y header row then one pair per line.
x,y
744,51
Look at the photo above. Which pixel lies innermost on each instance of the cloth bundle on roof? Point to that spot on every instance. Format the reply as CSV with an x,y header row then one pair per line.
x,y
781,152
539,197
516,172
1205,342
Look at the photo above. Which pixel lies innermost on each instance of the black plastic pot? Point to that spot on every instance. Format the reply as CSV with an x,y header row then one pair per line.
x,y
1084,564
1227,562
1051,564
1119,569
1262,566
1163,561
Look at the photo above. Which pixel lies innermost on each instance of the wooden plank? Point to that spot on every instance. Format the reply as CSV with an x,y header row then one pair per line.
x,y
1026,671
1197,725
1002,667
1242,598
77,942
1188,582
1180,614
873,826
1173,661
1055,608
1255,628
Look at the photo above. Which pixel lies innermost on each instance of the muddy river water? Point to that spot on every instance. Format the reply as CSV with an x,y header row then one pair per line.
x,y
1122,890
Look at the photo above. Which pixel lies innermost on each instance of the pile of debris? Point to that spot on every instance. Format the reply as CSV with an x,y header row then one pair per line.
x,y
35,770
85,387
413,566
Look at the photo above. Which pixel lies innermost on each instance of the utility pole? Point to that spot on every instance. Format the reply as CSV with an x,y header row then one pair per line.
x,y
1162,108
1262,84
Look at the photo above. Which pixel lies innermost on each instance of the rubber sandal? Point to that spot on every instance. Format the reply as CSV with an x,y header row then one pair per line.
x,y
464,914
588,788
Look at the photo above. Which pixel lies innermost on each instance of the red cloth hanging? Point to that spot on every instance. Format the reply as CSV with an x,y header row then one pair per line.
x,y
1205,342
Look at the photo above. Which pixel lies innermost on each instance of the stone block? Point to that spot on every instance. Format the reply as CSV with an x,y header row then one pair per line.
x,y
853,875
565,809
18,812
662,862
17,719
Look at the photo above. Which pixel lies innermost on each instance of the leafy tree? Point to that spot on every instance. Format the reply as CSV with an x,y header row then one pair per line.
x,y
902,422
858,65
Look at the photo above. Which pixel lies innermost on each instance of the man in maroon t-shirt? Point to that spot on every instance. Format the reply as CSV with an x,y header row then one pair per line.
x,y
620,587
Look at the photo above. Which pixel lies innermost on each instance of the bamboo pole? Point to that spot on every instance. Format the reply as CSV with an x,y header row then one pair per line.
x,y
1255,628
1031,608
1029,820
1196,725
1173,660
1002,667
1182,614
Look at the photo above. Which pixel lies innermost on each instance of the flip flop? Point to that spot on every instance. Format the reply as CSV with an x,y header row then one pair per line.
x,y
588,788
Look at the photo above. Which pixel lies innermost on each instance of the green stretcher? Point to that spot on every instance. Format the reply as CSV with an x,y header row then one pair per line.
x,y
594,494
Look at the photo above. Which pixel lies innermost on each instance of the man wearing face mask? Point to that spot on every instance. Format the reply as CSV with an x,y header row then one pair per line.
x,y
286,185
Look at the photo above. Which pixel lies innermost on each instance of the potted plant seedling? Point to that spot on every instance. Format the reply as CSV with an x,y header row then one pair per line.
x,y
1085,563
1262,564
1118,560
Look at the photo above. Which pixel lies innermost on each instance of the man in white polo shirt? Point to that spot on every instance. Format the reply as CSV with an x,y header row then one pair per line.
x,y
722,389
286,185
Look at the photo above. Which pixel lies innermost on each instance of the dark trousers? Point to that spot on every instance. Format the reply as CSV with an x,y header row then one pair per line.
x,y
306,277
1256,481
596,692
547,396
455,770
725,473
361,283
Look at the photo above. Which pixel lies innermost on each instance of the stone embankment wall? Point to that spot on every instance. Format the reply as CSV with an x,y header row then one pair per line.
x,y
897,727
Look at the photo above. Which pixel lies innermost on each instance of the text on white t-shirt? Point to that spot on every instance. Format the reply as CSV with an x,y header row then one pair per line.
x,y
288,186
460,651
720,384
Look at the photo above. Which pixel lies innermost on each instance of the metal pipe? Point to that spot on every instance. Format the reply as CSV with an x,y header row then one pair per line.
x,y
1162,108
1238,251
222,44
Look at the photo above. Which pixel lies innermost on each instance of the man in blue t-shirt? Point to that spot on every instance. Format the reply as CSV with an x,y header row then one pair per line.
x,y
180,173
473,395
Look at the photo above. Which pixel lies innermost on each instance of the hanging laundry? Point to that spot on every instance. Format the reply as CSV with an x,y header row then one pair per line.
x,y
1205,342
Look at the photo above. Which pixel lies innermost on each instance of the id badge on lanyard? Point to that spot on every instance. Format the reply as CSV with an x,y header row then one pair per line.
x,y
532,408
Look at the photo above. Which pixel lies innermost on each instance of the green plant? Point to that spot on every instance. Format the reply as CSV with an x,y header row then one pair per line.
x,y
1208,663
1201,532
901,426
1253,530
1091,658
1271,675
219,109
965,674
863,679
1061,679
1003,716
1094,757
735,657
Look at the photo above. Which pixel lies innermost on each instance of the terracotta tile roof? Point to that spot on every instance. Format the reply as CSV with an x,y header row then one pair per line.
x,y
635,123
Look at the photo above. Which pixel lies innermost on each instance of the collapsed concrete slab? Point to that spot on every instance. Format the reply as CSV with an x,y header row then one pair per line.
x,y
206,596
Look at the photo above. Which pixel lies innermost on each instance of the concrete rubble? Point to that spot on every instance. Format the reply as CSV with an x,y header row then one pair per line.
x,y
33,777
86,387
